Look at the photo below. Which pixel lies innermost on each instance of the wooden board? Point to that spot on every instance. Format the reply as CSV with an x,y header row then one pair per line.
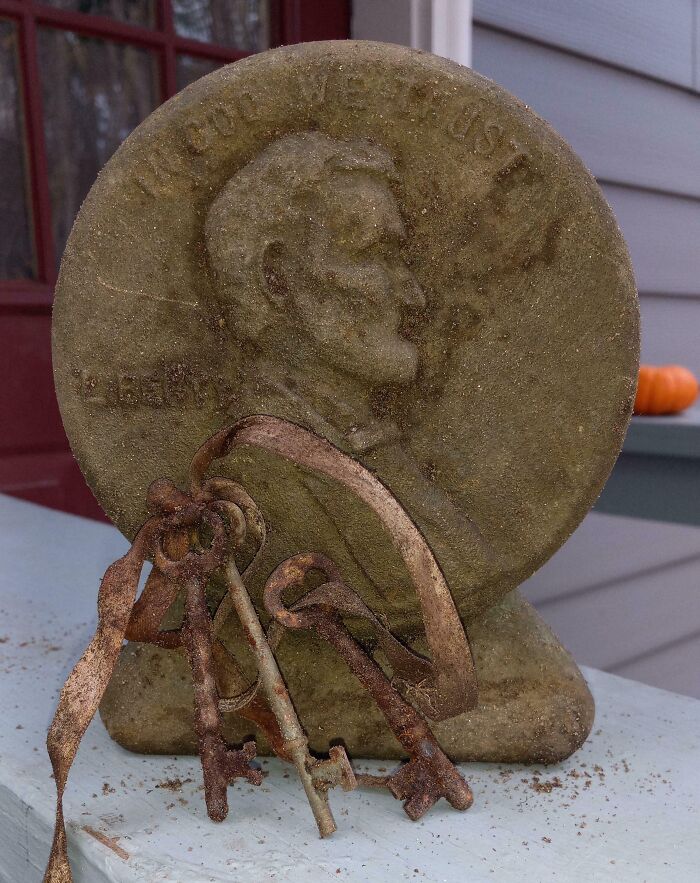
x,y
637,820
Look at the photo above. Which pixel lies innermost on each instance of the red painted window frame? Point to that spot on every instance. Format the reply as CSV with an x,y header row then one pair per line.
x,y
35,462
291,21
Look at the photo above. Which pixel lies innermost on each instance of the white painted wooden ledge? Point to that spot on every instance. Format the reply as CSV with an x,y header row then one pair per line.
x,y
625,808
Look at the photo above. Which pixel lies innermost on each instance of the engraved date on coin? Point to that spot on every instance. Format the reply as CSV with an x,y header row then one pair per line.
x,y
173,385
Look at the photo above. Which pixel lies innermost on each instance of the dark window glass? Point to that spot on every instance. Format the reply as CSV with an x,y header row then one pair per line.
x,y
190,68
241,24
16,248
135,12
95,92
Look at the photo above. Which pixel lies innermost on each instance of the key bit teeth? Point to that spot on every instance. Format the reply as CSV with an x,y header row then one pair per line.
x,y
238,763
420,802
460,797
336,770
249,749
421,782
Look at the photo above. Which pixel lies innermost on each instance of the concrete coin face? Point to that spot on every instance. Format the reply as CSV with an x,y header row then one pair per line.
x,y
387,249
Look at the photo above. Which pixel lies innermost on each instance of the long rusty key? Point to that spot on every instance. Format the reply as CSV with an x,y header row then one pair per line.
x,y
429,774
221,765
317,776
295,744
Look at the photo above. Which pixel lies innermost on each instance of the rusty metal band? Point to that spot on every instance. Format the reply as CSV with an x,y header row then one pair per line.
x,y
82,692
450,687
441,687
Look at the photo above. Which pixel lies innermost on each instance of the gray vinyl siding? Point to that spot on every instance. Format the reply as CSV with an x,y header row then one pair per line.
x,y
620,80
639,135
656,38
623,596
663,236
627,128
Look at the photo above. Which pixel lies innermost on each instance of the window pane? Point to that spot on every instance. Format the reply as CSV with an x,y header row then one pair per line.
x,y
95,92
135,12
16,249
190,69
241,24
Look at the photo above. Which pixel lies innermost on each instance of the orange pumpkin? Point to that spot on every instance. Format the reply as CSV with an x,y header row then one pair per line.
x,y
664,389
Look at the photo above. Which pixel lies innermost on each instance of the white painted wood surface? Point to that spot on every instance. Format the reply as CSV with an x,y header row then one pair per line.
x,y
624,808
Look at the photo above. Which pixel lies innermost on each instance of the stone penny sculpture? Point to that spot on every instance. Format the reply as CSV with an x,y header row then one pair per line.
x,y
395,256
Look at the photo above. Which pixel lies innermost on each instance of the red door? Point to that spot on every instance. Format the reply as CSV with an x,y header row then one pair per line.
x,y
72,85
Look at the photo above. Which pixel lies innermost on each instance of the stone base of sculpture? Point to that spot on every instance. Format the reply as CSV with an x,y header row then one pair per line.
x,y
534,705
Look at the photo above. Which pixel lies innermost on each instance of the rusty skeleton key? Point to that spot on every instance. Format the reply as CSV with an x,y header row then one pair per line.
x,y
215,503
317,776
231,505
429,774
221,765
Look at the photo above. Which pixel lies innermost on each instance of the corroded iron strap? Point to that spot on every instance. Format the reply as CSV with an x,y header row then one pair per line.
x,y
157,597
451,687
334,594
87,682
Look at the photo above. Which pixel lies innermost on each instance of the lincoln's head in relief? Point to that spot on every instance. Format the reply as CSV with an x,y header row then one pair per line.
x,y
305,245
305,248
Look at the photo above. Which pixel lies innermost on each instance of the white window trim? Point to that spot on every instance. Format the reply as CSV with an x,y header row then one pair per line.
x,y
440,26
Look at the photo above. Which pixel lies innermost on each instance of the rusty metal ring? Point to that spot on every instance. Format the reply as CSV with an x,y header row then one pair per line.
x,y
232,492
193,564
165,498
291,574
234,515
